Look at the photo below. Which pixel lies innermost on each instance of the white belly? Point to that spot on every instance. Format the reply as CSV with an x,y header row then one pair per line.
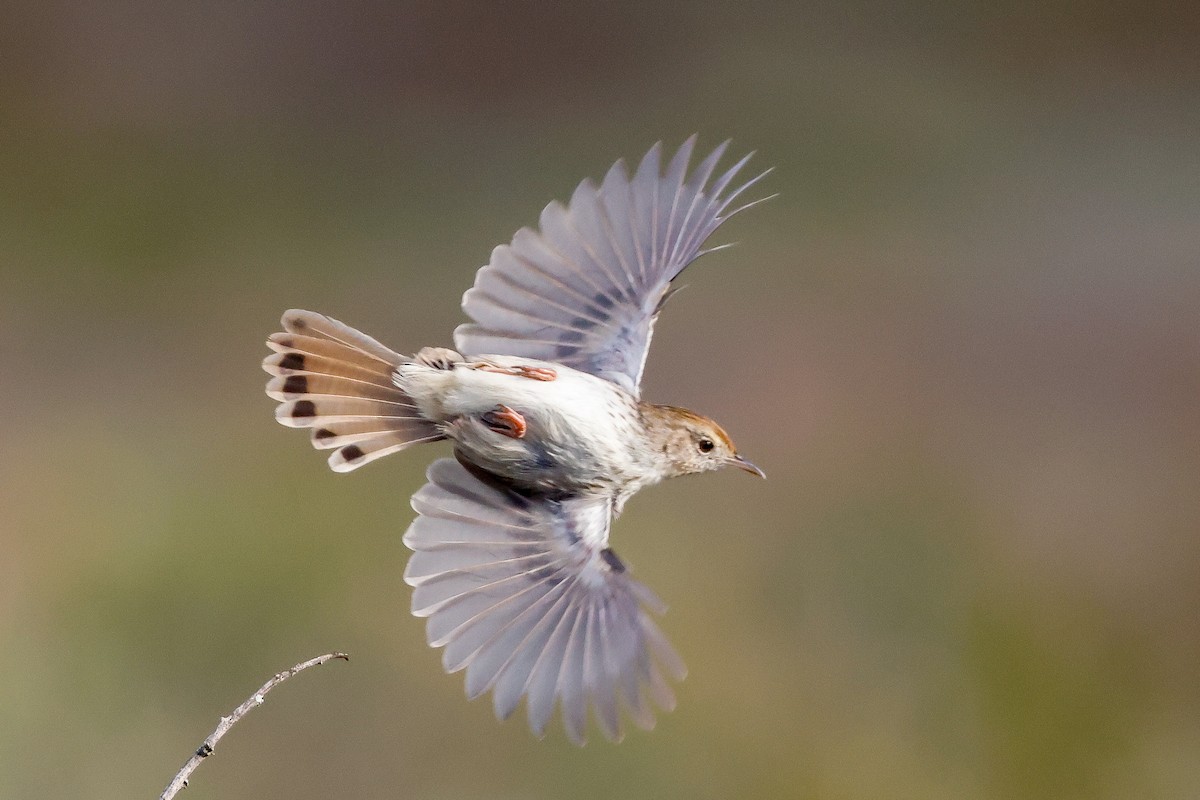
x,y
582,433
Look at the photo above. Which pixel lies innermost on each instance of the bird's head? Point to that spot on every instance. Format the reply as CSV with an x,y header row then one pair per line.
x,y
692,443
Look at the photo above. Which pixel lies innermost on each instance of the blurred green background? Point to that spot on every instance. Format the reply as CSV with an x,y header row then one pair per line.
x,y
963,343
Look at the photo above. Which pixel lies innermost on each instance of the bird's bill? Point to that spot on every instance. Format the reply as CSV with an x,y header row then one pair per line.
x,y
742,463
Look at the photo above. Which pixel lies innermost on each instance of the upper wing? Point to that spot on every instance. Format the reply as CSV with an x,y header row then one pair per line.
x,y
524,593
584,291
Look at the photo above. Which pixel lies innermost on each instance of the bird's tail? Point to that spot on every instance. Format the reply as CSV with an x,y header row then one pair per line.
x,y
338,381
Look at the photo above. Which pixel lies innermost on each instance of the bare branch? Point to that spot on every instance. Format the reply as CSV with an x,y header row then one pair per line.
x,y
206,747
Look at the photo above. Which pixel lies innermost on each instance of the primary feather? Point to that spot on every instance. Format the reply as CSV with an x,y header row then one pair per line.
x,y
585,289
516,589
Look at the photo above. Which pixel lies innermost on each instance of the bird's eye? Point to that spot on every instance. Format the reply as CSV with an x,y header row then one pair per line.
x,y
705,445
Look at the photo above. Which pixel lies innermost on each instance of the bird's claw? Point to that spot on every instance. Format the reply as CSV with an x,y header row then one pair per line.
x,y
439,357
519,370
504,421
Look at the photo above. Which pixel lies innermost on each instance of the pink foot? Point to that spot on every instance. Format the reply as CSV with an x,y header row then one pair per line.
x,y
504,421
521,371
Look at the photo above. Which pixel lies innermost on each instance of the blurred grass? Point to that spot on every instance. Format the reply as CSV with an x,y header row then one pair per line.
x,y
961,343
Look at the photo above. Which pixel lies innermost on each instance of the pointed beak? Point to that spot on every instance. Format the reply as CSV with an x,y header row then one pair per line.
x,y
742,463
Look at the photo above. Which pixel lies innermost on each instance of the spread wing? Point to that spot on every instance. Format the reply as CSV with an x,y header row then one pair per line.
x,y
585,289
524,593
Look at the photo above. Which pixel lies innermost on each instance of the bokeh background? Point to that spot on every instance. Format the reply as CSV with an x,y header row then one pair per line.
x,y
963,342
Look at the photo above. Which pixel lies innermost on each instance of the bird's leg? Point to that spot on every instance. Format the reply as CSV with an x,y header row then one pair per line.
x,y
519,370
438,357
504,421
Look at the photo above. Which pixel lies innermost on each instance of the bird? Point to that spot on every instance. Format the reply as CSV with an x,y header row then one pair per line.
x,y
540,399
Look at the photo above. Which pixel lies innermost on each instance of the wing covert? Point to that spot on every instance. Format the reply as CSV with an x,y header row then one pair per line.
x,y
524,594
584,290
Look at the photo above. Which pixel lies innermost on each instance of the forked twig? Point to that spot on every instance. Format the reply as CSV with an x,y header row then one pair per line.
x,y
206,747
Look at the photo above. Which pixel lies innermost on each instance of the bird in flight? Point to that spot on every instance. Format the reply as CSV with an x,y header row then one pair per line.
x,y
540,398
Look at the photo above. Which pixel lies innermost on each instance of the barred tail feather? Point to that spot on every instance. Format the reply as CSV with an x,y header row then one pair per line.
x,y
338,382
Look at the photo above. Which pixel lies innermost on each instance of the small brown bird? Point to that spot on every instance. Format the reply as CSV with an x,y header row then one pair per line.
x,y
541,399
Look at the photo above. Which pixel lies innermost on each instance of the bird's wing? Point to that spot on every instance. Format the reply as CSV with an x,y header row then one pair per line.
x,y
524,593
585,289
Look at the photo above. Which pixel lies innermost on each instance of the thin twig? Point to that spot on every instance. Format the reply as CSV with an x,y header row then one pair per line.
x,y
206,747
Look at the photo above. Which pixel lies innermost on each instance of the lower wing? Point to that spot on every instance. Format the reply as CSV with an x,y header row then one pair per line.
x,y
523,592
